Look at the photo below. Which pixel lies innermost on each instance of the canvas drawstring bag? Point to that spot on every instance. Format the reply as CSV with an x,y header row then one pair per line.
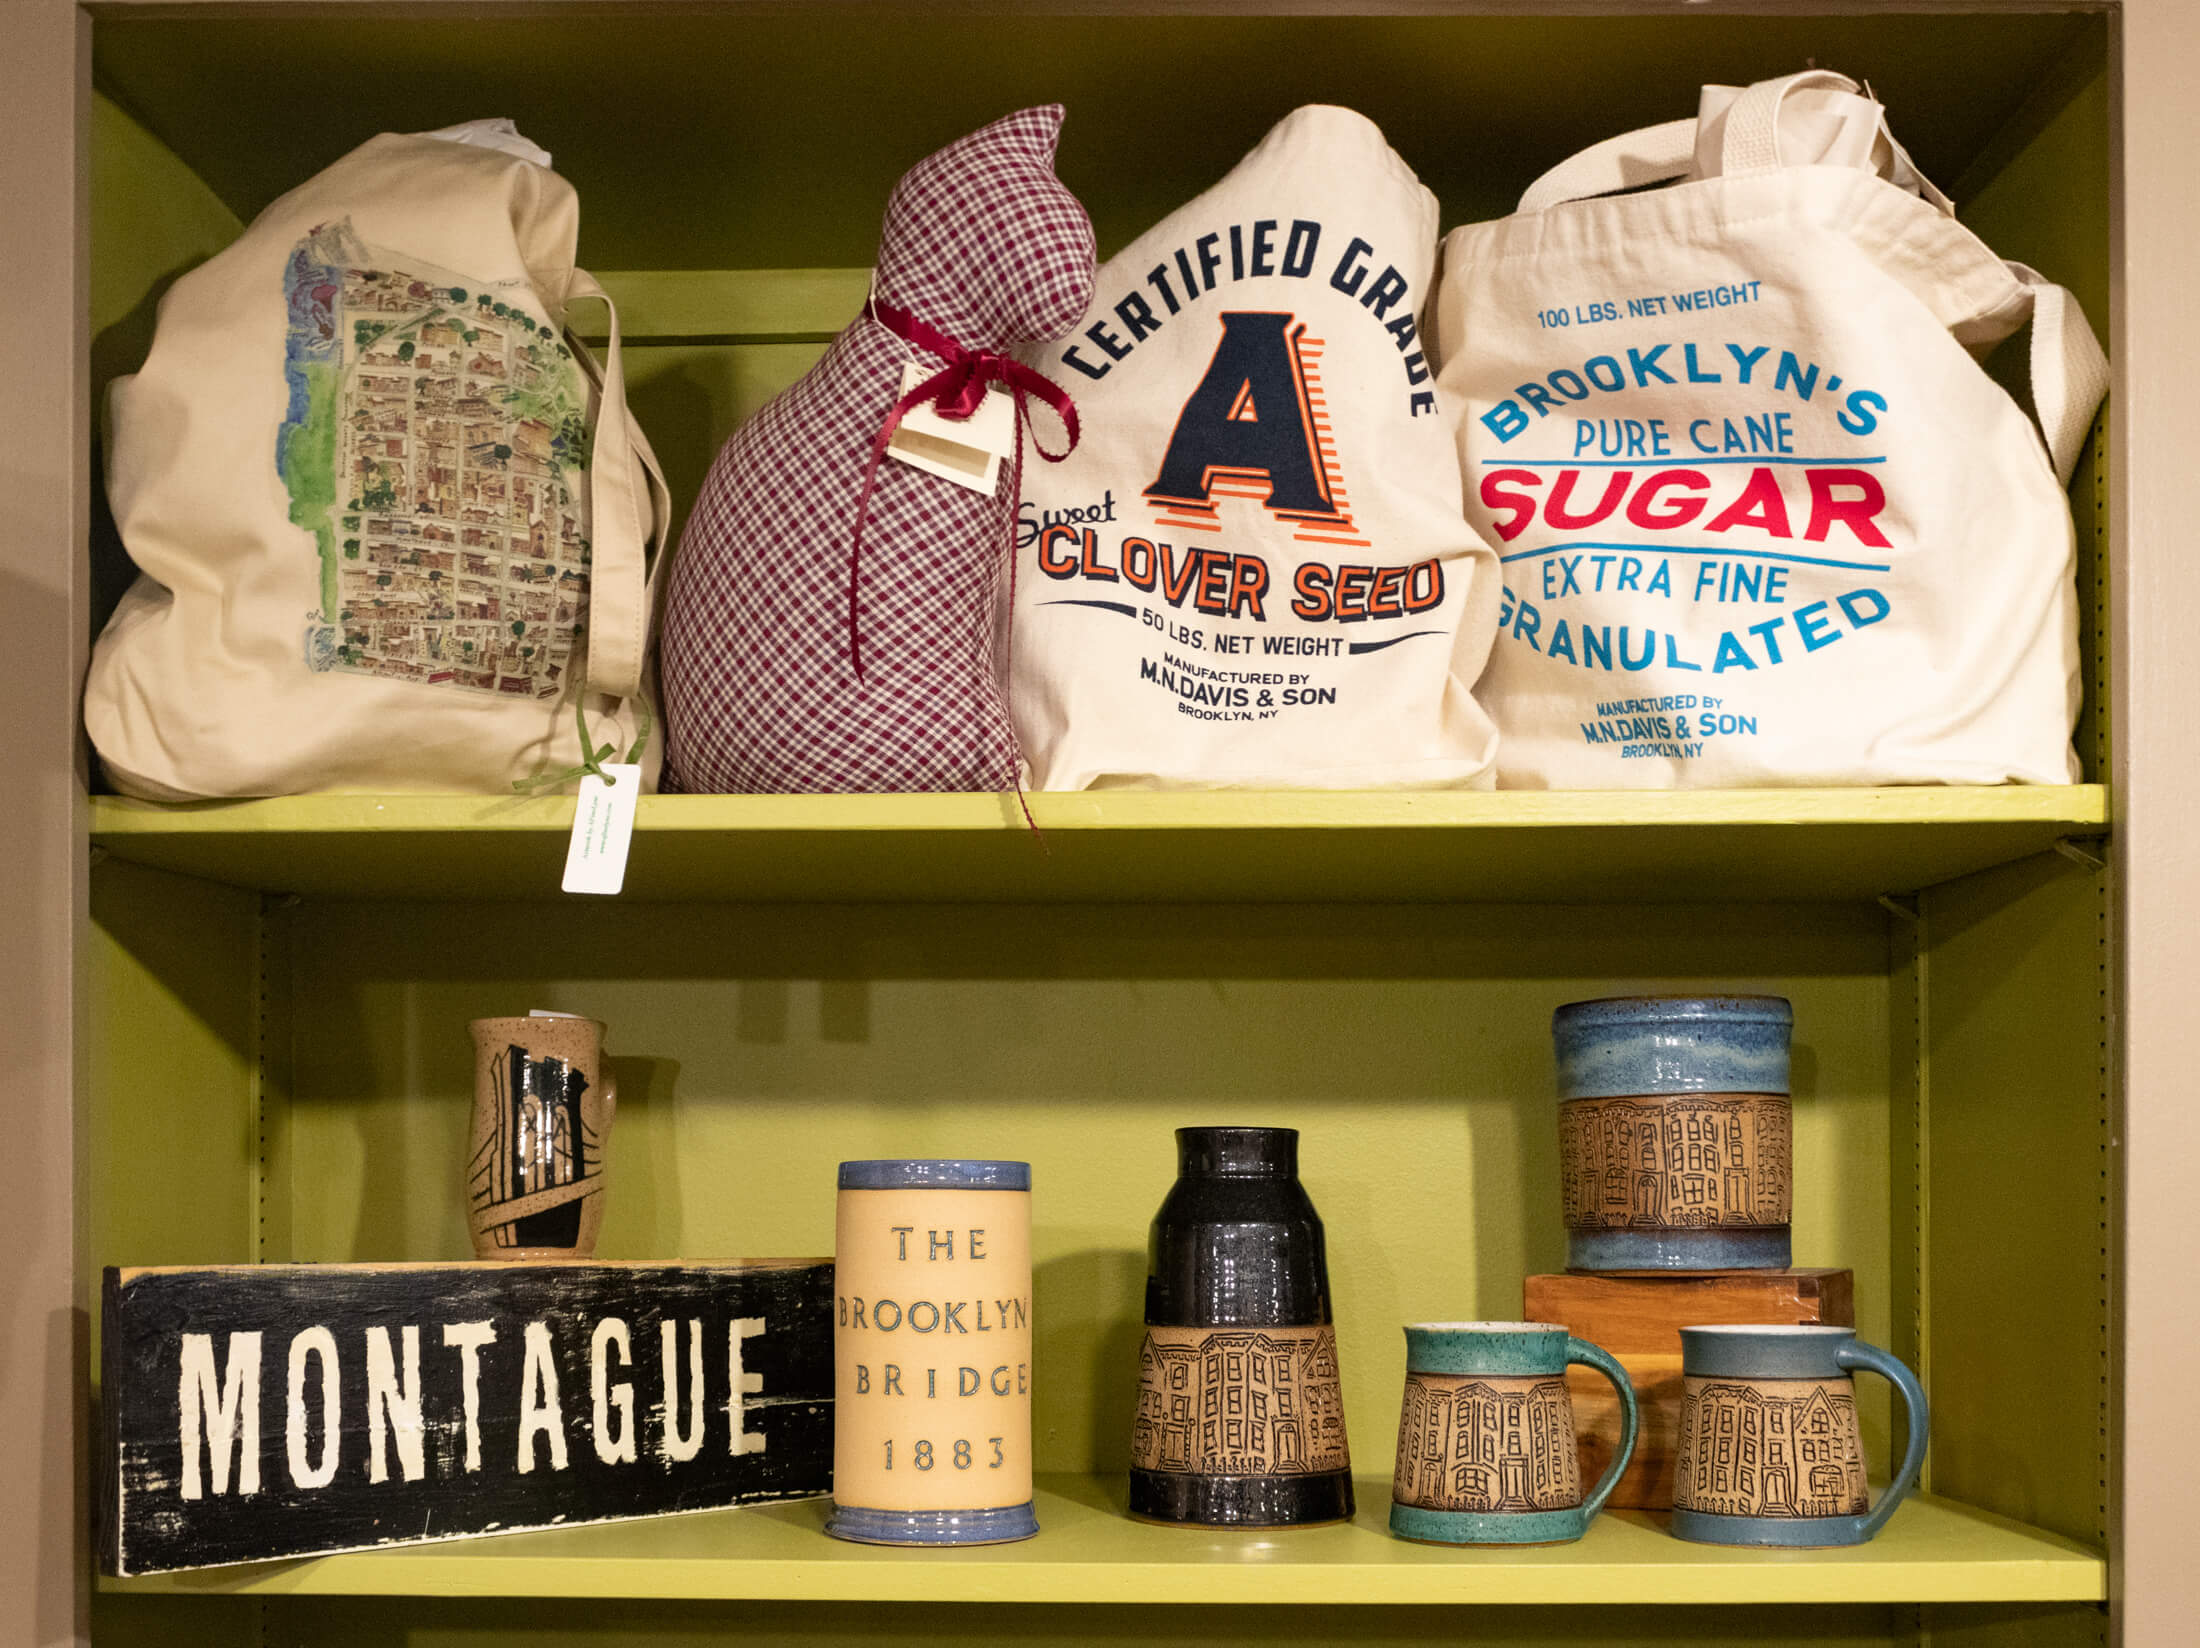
x,y
1762,516
1253,570
393,522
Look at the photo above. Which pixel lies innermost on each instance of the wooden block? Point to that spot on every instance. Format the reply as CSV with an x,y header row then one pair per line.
x,y
1639,1320
256,1411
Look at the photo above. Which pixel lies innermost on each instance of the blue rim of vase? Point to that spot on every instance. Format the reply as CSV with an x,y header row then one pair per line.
x,y
1629,1011
1674,1248
917,1173
1669,1046
991,1526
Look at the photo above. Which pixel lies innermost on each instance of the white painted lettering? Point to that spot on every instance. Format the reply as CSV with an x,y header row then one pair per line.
x,y
673,1446
743,1383
304,1471
226,1418
539,1409
612,1450
468,1338
394,1407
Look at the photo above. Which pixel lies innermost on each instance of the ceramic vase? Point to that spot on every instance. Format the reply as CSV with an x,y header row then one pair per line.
x,y
932,1353
1486,1449
543,1106
1240,1410
1675,1137
1769,1451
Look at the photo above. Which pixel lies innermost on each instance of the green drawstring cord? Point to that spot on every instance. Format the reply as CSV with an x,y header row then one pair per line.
x,y
592,755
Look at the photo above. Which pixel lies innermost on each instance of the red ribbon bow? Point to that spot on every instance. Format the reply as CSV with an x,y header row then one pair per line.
x,y
956,391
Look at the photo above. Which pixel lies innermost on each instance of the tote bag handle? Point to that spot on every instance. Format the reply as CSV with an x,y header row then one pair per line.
x,y
1659,154
1750,143
2069,372
1752,140
623,523
1655,154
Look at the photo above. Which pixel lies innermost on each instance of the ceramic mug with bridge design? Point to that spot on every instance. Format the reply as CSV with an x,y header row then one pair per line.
x,y
543,1106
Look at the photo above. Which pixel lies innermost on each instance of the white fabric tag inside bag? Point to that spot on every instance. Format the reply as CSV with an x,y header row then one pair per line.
x,y
1819,126
493,134
603,830
968,453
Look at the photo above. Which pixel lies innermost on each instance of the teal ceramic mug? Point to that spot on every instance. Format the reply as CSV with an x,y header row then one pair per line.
x,y
1486,1451
1769,1452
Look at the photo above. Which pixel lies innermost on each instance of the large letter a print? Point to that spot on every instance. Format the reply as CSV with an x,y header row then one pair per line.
x,y
1249,417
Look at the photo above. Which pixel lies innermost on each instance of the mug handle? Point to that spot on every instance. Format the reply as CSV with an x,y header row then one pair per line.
x,y
1856,1354
1596,1356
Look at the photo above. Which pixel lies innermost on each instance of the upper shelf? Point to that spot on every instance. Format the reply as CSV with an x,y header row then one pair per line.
x,y
1088,1551
1133,845
677,169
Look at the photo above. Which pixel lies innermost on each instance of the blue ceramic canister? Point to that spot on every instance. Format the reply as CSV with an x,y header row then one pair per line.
x,y
1676,1137
932,1353
1486,1451
1769,1452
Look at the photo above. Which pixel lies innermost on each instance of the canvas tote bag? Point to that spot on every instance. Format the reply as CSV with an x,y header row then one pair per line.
x,y
392,521
1763,519
1253,570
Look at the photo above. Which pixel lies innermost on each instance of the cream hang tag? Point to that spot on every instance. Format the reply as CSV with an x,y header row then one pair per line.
x,y
603,829
968,452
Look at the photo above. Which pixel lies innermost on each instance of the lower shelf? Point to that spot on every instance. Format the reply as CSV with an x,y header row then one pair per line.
x,y
1088,1551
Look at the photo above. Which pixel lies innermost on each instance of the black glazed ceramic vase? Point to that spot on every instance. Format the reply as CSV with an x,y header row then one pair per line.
x,y
1240,1411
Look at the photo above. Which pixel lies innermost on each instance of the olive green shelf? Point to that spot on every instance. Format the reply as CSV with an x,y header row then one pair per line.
x,y
1207,846
1088,1551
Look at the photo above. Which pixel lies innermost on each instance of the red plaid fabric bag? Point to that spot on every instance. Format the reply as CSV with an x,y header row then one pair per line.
x,y
761,691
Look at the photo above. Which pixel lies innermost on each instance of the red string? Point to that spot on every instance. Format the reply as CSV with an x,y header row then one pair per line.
x,y
956,391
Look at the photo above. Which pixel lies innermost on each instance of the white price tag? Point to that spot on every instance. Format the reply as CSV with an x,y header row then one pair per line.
x,y
968,453
603,829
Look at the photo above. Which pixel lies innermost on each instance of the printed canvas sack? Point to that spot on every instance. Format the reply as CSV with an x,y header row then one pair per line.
x,y
391,520
1254,570
1763,519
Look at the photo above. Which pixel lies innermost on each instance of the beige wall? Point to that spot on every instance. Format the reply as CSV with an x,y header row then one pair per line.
x,y
43,74
2158,797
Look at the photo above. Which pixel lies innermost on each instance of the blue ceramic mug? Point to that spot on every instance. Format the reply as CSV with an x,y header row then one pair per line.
x,y
1486,1452
1769,1452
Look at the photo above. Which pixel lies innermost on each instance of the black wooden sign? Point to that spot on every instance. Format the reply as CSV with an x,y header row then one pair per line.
x,y
255,1411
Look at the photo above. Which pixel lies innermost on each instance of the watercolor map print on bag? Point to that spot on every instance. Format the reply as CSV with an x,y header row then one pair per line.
x,y
434,446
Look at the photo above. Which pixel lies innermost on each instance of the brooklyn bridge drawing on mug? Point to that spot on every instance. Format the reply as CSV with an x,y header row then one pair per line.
x,y
1769,1447
1239,1402
539,1159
